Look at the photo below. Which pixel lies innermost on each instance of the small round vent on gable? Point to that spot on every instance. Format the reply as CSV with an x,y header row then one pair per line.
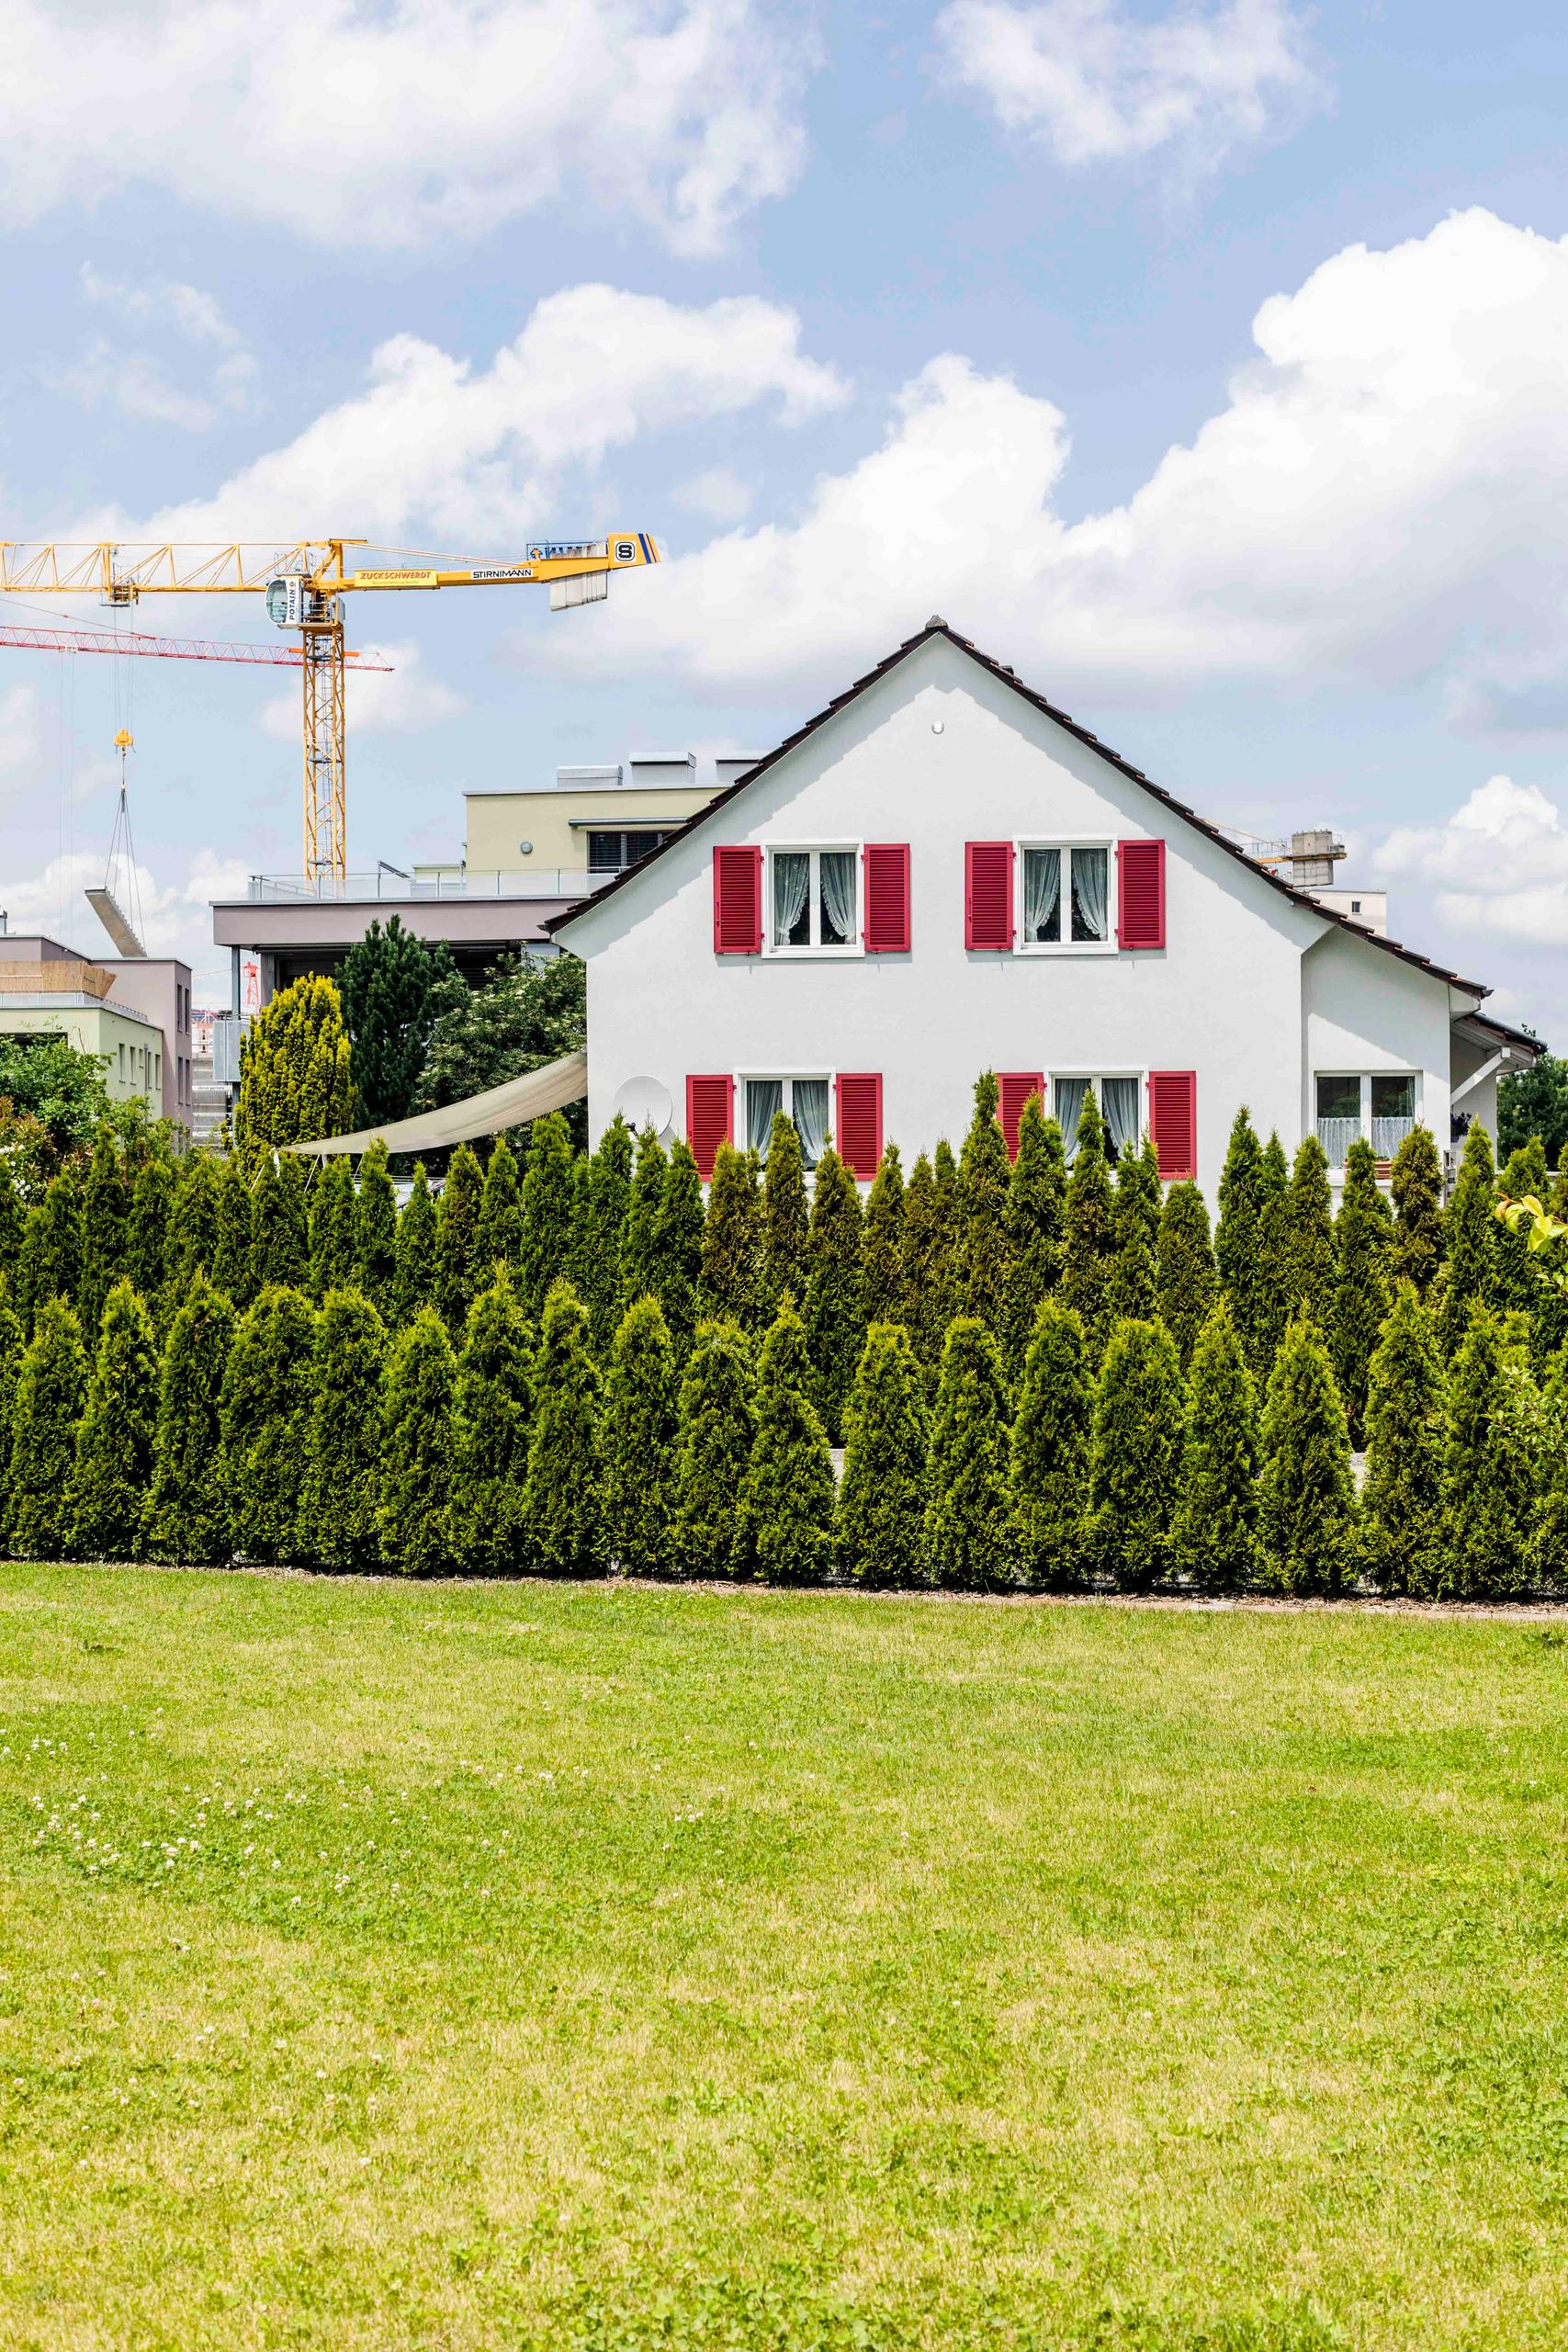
x,y
644,1103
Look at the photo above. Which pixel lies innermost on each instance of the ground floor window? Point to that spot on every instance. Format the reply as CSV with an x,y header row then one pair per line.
x,y
802,1101
1120,1098
1380,1105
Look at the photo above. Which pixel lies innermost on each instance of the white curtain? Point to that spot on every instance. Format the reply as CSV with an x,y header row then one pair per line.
x,y
792,880
1119,1100
837,895
1068,1093
1041,893
764,1096
1089,869
811,1117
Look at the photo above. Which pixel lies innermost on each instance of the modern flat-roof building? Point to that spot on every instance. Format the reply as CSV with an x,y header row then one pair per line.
x,y
134,1013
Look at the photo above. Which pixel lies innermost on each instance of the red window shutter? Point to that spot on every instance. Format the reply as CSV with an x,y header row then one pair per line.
x,y
1140,894
885,884
858,1122
988,895
710,1118
1173,1121
1014,1088
738,902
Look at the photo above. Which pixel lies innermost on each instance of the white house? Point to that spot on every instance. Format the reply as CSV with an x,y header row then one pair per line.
x,y
941,874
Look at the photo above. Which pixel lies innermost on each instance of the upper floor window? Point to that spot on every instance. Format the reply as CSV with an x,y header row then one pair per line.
x,y
1121,1102
1066,895
609,852
802,1101
814,899
1380,1105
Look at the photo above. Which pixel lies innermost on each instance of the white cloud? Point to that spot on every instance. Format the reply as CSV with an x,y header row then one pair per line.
x,y
719,494
397,701
216,374
1098,84
177,914
1382,500
1499,865
399,126
21,737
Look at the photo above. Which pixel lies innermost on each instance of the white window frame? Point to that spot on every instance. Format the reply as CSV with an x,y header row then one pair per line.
x,y
787,1079
1066,844
1094,1077
1364,1080
813,850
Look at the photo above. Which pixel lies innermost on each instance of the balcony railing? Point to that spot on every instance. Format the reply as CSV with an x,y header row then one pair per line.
x,y
534,882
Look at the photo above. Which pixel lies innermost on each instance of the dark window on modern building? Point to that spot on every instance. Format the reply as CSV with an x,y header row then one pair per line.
x,y
608,852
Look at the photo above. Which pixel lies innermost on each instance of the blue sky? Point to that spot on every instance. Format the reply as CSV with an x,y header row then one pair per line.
x,y
1208,363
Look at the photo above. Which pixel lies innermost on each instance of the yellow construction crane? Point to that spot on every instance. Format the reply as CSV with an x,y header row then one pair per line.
x,y
304,584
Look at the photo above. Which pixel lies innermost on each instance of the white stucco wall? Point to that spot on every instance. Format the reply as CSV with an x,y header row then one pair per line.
x,y
1366,1010
1223,998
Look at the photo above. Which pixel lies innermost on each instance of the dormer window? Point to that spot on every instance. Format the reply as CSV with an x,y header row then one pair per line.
x,y
813,901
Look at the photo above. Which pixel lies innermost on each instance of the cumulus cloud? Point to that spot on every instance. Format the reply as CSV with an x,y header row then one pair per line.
x,y
402,700
719,494
1499,865
405,125
1096,84
21,737
216,374
1382,499
176,915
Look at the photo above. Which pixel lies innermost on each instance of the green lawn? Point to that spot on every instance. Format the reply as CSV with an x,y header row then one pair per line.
x,y
520,1966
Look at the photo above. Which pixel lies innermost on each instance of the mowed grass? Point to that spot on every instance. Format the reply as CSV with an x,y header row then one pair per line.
x,y
519,1966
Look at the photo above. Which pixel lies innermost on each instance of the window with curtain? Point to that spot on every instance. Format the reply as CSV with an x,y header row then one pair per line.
x,y
815,898
1380,1105
764,1101
1121,1101
1066,890
802,1101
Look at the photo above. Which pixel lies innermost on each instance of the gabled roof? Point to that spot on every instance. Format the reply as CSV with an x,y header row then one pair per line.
x,y
937,627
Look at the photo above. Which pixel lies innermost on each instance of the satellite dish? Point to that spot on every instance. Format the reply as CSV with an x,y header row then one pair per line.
x,y
644,1103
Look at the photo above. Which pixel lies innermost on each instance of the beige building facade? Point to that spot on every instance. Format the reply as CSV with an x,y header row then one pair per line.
x,y
592,820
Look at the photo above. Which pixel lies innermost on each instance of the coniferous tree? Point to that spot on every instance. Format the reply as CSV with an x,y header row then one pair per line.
x,y
968,1537
376,1231
54,1247
882,1501
1051,1449
280,1229
1518,1285
1558,1201
1215,1533
1488,1505
1135,1474
149,1232
640,1237
1307,1496
599,1231
391,985
413,1515
193,1230
44,1413
1134,1232
835,1319
113,1466
1363,1242
717,1423
1309,1237
11,1346
639,1439
495,1411
187,1504
1470,1241
1186,1281
413,1278
501,1212
545,1252
295,1083
944,1179
106,1206
330,1211
678,1248
784,1520
458,1271
1238,1241
1403,1498
1416,1183
343,1446
1271,1303
13,1221
563,1500
926,1267
732,1241
1035,1212
784,1217
1549,1533
231,1268
982,1199
882,1243
264,1409
1088,1236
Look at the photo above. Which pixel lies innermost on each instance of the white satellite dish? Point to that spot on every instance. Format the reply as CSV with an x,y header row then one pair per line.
x,y
644,1103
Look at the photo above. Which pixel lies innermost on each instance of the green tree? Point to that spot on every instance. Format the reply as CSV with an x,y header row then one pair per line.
x,y
376,1231
563,1500
296,1077
1403,1498
330,1208
926,1267
678,1248
105,1210
639,1442
1135,1471
1051,1449
1416,1183
418,1394
784,1216
882,1244
944,1176
1309,1236
44,1413
1363,1246
264,1410
113,1467
1469,1242
544,1248
501,1212
1308,1515
413,1279
982,1200
280,1226
881,1503
785,1519
1035,1214
341,1490
495,1411
1186,1281
1271,1303
968,1537
1237,1241
193,1228
1135,1233
640,1237
52,1245
11,1344
49,1081
1533,1101
526,1012
231,1269
1214,1532
716,1426
1488,1503
458,1271
1088,1236
148,1254
600,1232
835,1319
393,985
187,1503
732,1241
1517,1282
13,1220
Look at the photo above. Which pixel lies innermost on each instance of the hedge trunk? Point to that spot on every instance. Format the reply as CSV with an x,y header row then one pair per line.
x,y
1309,1225
968,1537
1271,1307
563,1500
639,1433
1051,1449
12,1345
194,1232
49,1400
784,1530
1214,1535
717,1422
343,1446
1517,1285
113,1468
882,1501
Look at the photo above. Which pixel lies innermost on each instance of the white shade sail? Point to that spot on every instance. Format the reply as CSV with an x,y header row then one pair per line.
x,y
512,1105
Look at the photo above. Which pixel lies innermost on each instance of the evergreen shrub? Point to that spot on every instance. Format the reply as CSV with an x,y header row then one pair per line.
x,y
1051,1446
1136,1467
113,1466
1214,1534
716,1425
784,1524
47,1407
969,1541
639,1441
881,1500
1307,1514
563,1502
